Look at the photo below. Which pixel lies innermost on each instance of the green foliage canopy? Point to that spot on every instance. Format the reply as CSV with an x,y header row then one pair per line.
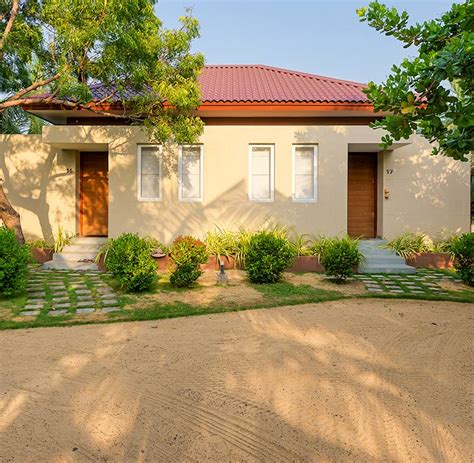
x,y
60,48
433,92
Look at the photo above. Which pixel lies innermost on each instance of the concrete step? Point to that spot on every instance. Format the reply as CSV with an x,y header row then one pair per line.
x,y
52,265
377,251
73,257
97,240
80,248
378,259
384,259
398,268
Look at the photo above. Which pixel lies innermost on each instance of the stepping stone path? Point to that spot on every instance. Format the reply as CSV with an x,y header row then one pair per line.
x,y
54,293
423,282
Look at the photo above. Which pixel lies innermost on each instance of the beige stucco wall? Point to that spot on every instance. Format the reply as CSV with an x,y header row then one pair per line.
x,y
38,184
427,193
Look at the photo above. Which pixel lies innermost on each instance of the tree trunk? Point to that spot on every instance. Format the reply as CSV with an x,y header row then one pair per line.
x,y
9,216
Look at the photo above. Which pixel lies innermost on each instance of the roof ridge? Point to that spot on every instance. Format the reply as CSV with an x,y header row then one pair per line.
x,y
291,72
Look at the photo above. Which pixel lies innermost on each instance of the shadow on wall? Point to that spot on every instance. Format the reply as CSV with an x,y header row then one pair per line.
x,y
226,201
427,191
26,182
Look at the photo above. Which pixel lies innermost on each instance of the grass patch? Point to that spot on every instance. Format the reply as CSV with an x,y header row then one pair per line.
x,y
167,301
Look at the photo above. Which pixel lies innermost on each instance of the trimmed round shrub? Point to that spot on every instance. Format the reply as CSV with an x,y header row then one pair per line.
x,y
339,256
268,255
462,248
14,259
187,254
130,262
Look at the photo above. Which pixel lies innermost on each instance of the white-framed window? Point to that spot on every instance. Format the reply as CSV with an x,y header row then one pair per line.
x,y
261,172
305,173
190,172
149,178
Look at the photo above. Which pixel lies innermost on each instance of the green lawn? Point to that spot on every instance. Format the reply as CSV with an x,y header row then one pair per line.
x,y
166,301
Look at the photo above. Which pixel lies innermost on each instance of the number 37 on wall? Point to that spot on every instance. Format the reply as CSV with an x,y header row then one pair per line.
x,y
389,171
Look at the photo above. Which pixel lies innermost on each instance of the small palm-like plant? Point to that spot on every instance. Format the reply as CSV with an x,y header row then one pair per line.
x,y
62,238
409,244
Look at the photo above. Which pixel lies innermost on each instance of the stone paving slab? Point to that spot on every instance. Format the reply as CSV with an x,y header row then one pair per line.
x,y
88,288
62,305
29,313
110,309
424,282
33,306
83,303
85,310
37,294
57,312
82,291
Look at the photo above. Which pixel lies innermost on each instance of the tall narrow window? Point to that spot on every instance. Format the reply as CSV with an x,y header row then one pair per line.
x,y
305,172
261,167
190,173
149,173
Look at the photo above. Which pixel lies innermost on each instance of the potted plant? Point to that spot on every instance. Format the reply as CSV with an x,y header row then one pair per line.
x,y
41,251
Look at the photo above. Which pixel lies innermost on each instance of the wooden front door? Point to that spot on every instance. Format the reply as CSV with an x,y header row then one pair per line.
x,y
94,194
362,195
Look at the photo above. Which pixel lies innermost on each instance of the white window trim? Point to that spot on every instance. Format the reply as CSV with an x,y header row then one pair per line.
x,y
139,174
272,172
180,174
315,170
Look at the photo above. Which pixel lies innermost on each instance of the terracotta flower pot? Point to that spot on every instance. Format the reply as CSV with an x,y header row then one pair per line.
x,y
42,255
162,263
441,260
306,264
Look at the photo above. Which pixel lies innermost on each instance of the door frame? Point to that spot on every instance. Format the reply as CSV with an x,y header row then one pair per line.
x,y
375,156
81,195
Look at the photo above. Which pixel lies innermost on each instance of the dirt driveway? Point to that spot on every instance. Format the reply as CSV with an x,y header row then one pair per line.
x,y
360,380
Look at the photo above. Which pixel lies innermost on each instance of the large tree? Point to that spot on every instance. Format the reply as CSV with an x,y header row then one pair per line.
x,y
54,51
431,93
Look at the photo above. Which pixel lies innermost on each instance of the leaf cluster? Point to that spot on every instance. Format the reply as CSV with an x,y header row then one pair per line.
x,y
431,93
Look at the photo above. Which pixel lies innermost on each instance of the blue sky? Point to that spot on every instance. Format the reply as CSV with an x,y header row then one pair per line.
x,y
320,37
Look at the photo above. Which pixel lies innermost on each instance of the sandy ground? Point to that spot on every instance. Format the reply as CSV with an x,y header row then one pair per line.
x,y
360,380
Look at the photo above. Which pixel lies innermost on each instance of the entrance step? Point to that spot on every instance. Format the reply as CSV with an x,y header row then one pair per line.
x,y
79,255
71,265
378,259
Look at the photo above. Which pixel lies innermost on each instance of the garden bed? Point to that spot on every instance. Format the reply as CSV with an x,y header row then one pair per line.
x,y
300,264
440,260
306,264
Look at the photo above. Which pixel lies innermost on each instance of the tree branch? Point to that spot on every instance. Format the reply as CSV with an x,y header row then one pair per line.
x,y
8,27
34,86
92,107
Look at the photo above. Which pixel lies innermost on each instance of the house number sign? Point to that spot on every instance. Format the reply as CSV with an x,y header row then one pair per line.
x,y
389,171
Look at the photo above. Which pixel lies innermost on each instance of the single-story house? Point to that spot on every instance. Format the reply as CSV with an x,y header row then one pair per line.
x,y
278,145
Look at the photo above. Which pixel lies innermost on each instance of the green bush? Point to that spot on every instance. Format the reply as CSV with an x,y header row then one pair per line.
x,y
14,260
129,260
319,246
409,244
187,254
38,244
339,256
268,255
462,248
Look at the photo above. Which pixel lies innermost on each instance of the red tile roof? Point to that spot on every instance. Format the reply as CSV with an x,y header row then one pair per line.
x,y
258,83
